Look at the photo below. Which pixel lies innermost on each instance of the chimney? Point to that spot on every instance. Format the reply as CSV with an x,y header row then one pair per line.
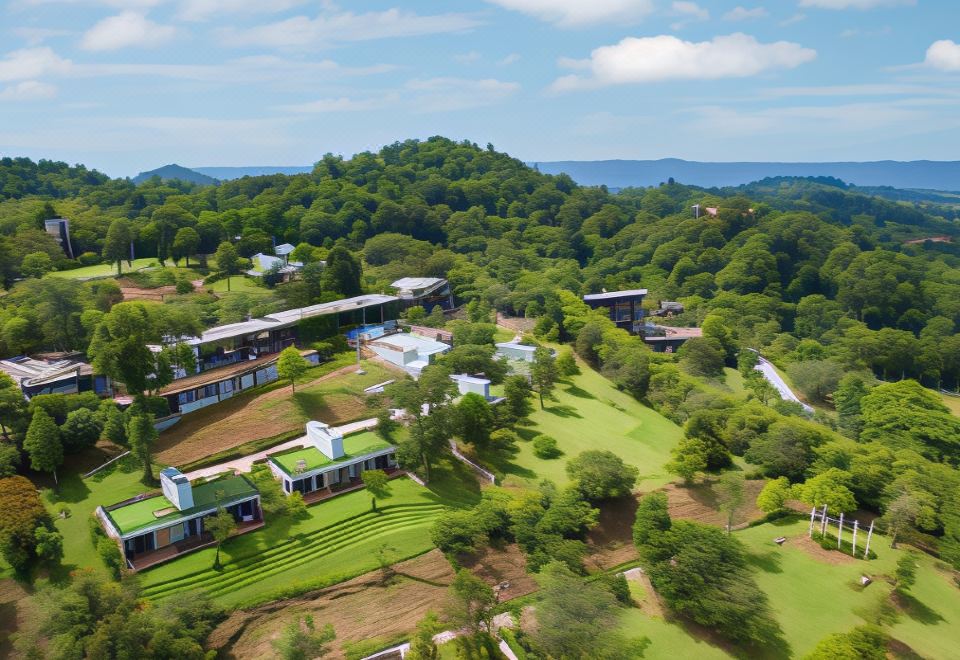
x,y
329,441
176,488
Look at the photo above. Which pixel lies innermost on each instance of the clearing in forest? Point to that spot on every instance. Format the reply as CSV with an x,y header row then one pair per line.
x,y
588,412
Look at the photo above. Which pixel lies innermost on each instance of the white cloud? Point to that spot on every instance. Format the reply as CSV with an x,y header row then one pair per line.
x,y
665,57
35,36
796,18
468,58
332,27
855,4
202,10
30,63
574,13
691,9
943,55
28,90
119,4
341,104
445,94
512,58
743,14
126,29
689,12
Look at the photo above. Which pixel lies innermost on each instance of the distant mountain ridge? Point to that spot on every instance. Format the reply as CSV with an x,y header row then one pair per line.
x,y
229,173
178,172
920,174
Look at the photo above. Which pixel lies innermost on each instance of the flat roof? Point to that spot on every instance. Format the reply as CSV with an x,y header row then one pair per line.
x,y
464,378
416,282
612,295
354,446
516,346
289,317
405,342
142,514
29,372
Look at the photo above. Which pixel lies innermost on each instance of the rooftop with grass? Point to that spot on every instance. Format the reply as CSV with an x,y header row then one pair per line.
x,y
156,509
355,447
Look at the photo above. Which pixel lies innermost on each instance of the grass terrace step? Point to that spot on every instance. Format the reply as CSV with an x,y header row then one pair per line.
x,y
296,551
282,547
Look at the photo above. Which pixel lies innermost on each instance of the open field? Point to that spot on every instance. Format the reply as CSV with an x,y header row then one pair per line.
x,y
814,593
951,402
238,284
588,412
331,393
354,608
104,270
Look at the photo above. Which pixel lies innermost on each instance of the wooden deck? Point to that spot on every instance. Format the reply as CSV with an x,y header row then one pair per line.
x,y
149,559
355,484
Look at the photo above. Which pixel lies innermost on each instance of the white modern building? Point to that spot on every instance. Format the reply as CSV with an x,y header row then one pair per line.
x,y
409,351
329,461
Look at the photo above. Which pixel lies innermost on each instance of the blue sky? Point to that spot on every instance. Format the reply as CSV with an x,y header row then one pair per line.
x,y
128,85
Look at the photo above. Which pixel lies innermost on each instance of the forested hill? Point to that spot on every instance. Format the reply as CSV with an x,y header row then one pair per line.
x,y
783,260
178,172
939,175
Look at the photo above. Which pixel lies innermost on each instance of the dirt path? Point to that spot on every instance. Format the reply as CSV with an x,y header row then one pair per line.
x,y
239,420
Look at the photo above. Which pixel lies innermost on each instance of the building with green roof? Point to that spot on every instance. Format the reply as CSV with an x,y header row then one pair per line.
x,y
155,526
329,460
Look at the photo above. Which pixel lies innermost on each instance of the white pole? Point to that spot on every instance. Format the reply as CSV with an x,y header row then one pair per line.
x,y
823,522
853,552
866,551
840,532
813,513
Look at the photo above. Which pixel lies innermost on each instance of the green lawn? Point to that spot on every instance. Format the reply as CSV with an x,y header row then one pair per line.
x,y
239,284
104,270
734,380
668,640
339,539
503,334
82,496
812,599
951,402
588,412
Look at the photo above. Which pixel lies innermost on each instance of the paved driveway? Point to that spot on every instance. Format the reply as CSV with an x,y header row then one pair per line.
x,y
771,375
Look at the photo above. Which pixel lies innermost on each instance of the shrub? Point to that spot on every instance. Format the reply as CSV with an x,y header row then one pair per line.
x,y
89,259
545,447
184,286
296,507
110,554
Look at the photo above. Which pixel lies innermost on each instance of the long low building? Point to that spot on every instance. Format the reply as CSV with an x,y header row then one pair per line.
x,y
53,376
209,387
155,527
331,461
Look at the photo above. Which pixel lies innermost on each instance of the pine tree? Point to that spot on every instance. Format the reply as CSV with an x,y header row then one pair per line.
x,y
141,434
43,444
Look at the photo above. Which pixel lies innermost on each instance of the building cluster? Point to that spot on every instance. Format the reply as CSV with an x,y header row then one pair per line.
x,y
625,309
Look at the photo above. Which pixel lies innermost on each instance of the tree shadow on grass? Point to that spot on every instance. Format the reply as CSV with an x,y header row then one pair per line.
x,y
527,434
72,489
916,610
576,391
563,411
768,562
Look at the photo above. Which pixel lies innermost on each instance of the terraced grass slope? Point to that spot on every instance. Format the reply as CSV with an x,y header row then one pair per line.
x,y
302,549
339,539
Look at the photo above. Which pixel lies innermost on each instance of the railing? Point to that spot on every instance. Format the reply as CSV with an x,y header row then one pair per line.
x,y
483,473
